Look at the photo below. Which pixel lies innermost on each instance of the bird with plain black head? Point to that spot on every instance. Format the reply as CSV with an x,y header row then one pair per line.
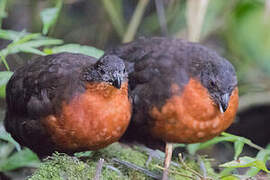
x,y
69,102
109,69
182,92
216,74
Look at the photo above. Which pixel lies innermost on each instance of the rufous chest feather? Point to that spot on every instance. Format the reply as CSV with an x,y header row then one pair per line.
x,y
93,119
191,115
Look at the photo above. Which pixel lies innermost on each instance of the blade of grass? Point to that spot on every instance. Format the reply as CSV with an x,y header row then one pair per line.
x,y
238,148
174,17
192,148
25,38
3,59
161,17
135,21
117,19
4,78
245,140
195,15
3,13
263,155
42,42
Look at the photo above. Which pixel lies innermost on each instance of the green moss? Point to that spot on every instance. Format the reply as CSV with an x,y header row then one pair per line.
x,y
121,162
60,166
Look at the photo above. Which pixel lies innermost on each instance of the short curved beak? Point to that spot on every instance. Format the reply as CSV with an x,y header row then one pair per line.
x,y
224,102
117,82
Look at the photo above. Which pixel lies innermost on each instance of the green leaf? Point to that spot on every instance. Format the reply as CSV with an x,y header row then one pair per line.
x,y
192,148
4,77
49,16
5,149
11,35
3,59
238,148
7,137
33,51
25,38
29,46
114,11
25,42
19,159
262,156
42,42
76,48
246,162
235,138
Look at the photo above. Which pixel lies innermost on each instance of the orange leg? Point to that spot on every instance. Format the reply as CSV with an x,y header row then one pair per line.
x,y
168,157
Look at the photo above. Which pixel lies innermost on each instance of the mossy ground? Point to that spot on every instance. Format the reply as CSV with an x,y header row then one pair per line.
x,y
121,162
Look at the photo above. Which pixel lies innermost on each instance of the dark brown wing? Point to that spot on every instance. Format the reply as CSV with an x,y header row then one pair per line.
x,y
37,90
154,65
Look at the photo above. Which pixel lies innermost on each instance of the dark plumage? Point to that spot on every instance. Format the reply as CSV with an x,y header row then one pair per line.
x,y
162,68
182,92
43,95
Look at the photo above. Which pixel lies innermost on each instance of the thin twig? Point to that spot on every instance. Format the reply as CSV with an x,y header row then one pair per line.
x,y
149,160
99,168
135,21
137,168
157,155
188,168
168,157
175,172
202,166
114,169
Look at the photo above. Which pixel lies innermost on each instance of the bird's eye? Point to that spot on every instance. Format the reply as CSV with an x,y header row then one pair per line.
x,y
230,88
212,83
124,70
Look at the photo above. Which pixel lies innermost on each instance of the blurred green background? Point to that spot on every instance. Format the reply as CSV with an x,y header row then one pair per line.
x,y
237,29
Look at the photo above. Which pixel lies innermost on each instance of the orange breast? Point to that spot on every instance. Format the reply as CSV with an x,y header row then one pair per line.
x,y
91,120
193,116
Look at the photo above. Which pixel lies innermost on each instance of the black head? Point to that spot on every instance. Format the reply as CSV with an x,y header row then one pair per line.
x,y
220,80
110,69
215,73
